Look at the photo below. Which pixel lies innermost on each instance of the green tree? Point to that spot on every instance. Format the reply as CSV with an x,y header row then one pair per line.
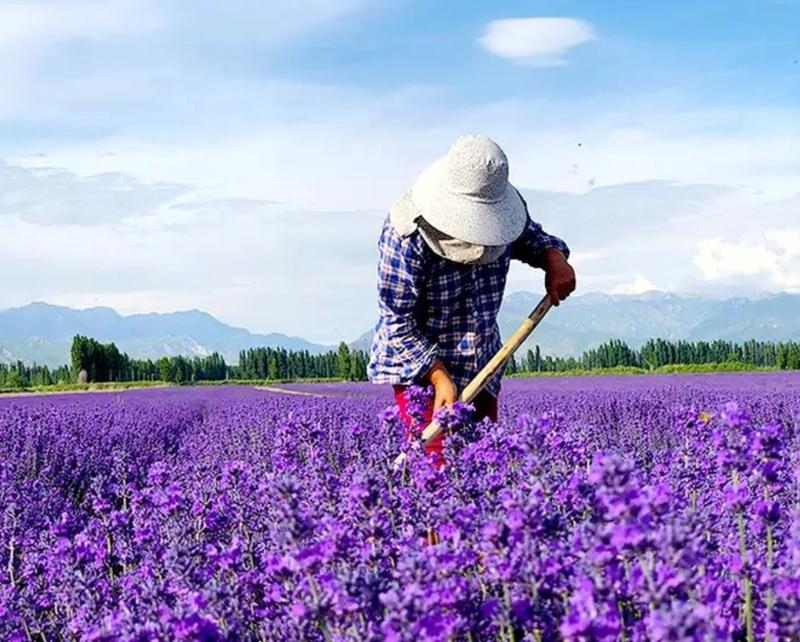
x,y
272,366
79,353
343,361
15,380
166,369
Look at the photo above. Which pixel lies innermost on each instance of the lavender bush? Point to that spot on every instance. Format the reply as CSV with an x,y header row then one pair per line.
x,y
597,509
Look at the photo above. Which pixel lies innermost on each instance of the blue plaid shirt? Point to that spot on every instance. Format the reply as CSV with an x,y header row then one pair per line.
x,y
434,308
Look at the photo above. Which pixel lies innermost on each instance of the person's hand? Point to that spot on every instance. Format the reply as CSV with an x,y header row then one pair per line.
x,y
559,277
445,393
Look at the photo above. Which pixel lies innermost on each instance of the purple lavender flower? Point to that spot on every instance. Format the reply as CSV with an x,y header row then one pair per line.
x,y
593,510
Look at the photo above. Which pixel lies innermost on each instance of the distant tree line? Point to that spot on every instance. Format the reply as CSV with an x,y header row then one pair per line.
x,y
655,353
104,362
279,363
20,375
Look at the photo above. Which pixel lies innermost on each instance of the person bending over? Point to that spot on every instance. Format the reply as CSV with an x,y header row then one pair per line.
x,y
444,254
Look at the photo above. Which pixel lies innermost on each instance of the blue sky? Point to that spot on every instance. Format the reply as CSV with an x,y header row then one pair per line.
x,y
661,139
698,47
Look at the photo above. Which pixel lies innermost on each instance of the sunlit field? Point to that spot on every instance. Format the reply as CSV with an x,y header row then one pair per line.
x,y
631,508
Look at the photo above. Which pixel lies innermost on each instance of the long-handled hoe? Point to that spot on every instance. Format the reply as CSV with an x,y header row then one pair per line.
x,y
475,386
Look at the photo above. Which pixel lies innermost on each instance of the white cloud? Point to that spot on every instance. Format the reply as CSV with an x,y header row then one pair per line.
x,y
262,265
339,160
266,23
87,62
541,41
719,259
583,257
50,22
262,201
359,155
639,285
776,263
273,266
50,196
787,240
37,22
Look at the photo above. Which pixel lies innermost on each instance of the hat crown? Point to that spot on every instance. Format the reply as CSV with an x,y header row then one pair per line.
x,y
477,167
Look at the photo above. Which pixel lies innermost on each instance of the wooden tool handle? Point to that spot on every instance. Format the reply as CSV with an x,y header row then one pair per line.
x,y
475,386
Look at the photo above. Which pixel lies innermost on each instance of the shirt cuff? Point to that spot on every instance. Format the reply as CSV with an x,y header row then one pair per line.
x,y
555,243
424,364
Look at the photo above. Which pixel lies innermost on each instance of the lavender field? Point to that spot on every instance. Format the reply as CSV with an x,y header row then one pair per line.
x,y
633,508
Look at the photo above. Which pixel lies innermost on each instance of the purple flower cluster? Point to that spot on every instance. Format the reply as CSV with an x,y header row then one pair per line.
x,y
642,512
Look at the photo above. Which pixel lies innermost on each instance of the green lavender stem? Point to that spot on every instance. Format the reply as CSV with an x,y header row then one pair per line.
x,y
770,557
747,586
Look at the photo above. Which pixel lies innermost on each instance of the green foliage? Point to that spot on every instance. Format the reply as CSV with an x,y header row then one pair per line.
x,y
343,360
79,352
678,368
660,355
19,376
512,367
102,362
105,363
15,381
533,360
275,364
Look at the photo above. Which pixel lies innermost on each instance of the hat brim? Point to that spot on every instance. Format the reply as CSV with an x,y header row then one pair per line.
x,y
468,218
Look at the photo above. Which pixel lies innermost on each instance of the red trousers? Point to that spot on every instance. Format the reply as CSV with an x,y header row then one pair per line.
x,y
485,406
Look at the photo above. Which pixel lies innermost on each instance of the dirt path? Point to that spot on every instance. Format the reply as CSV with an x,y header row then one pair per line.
x,y
286,391
44,393
49,393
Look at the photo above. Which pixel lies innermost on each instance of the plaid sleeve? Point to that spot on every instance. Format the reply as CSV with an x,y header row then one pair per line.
x,y
532,243
400,271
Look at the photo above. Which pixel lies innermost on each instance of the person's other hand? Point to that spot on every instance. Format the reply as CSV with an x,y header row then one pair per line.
x,y
445,393
559,277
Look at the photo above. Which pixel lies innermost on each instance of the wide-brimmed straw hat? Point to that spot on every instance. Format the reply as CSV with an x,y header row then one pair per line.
x,y
466,194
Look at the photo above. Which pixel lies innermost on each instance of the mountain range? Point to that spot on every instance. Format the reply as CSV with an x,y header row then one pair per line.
x,y
42,333
587,320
